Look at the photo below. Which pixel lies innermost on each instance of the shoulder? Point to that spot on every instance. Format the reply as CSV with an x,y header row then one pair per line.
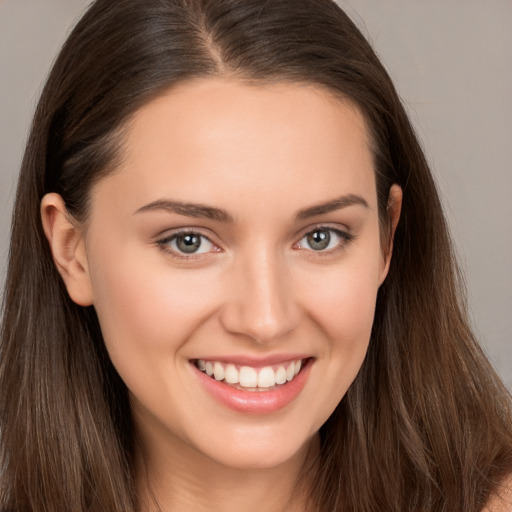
x,y
502,500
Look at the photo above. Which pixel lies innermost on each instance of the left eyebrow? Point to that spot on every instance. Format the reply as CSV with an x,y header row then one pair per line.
x,y
331,206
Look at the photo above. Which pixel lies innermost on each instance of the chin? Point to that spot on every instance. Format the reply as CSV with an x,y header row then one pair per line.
x,y
261,451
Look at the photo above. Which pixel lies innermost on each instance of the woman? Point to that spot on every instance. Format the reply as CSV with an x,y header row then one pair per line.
x,y
231,283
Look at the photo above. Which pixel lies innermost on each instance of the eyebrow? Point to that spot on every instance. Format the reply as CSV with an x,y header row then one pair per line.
x,y
331,206
188,209
209,212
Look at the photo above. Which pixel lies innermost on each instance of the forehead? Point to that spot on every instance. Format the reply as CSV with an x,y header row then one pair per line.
x,y
226,139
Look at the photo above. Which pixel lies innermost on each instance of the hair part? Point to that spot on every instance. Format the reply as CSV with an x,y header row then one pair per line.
x,y
425,426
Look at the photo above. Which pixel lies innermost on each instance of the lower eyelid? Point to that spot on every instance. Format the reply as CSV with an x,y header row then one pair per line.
x,y
164,244
344,237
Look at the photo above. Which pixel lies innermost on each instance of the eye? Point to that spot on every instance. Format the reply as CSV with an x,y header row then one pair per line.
x,y
324,239
187,243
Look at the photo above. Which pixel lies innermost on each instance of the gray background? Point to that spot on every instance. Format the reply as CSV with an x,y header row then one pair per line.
x,y
452,63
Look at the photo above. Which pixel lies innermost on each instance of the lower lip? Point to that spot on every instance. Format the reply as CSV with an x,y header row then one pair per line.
x,y
255,402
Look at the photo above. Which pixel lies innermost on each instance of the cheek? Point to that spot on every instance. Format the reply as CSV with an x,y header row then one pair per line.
x,y
344,311
345,304
143,304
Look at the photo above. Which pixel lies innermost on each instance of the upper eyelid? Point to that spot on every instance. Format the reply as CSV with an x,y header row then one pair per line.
x,y
162,243
328,227
168,235
345,239
343,233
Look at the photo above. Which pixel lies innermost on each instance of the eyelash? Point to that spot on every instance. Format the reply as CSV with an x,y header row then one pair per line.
x,y
164,244
344,239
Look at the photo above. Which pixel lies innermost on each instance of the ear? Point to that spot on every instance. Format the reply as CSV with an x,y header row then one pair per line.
x,y
394,207
67,244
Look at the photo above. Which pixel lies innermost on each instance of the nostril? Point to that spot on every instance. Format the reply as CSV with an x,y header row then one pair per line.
x,y
260,325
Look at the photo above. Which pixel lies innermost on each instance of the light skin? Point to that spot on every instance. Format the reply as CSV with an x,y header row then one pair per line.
x,y
502,501
278,168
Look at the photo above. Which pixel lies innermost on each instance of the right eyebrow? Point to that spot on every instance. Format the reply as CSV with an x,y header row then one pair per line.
x,y
187,209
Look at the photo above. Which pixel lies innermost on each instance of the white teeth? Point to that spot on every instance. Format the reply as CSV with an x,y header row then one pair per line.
x,y
218,371
266,378
290,372
232,376
248,377
281,375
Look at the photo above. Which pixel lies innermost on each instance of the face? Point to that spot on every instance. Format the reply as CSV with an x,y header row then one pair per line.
x,y
233,260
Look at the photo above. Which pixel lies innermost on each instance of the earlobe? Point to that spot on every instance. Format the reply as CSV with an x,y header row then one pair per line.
x,y
394,208
68,248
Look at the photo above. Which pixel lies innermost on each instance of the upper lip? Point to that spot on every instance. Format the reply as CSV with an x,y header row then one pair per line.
x,y
255,361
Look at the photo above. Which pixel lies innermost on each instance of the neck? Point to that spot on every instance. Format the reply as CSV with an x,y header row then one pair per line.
x,y
180,479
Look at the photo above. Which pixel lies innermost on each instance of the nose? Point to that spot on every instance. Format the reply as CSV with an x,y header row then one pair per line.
x,y
261,304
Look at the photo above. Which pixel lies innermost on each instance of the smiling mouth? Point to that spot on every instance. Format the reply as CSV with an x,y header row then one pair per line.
x,y
248,378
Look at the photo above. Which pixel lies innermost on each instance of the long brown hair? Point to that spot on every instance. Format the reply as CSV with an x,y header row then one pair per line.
x,y
426,425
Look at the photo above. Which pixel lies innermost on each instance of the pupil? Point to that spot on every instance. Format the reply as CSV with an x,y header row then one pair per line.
x,y
188,243
319,240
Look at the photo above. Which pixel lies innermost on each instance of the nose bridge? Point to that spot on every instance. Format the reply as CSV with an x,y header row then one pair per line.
x,y
261,304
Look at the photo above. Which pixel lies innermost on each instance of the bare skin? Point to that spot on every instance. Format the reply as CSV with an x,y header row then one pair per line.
x,y
502,501
275,187
200,485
